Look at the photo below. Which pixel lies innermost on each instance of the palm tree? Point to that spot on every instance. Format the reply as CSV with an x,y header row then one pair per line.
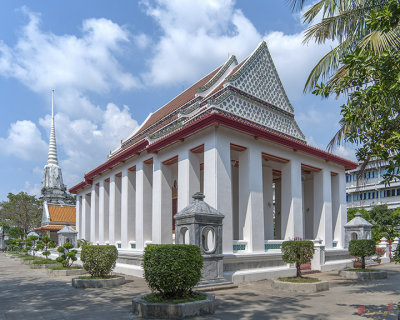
x,y
343,22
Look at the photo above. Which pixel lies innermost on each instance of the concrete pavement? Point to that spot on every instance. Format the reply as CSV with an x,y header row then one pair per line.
x,y
31,294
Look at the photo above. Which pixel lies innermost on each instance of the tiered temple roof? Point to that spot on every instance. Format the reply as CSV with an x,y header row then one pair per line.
x,y
248,97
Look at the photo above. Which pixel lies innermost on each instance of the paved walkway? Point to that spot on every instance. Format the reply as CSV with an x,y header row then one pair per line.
x,y
31,294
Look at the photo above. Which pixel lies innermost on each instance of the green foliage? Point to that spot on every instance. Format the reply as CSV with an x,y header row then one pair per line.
x,y
370,25
172,270
362,248
15,244
396,256
351,212
30,244
82,242
22,211
68,255
45,244
99,260
298,252
386,223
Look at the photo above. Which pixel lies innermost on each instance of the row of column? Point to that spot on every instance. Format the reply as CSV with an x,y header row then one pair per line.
x,y
134,206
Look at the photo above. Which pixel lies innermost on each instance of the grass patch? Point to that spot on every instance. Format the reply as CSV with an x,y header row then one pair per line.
x,y
158,298
44,261
299,279
64,268
97,278
362,270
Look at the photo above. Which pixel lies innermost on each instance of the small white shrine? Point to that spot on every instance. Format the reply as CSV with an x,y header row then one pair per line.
x,y
232,136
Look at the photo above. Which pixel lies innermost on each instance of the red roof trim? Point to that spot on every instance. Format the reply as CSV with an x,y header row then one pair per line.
x,y
205,121
251,129
109,164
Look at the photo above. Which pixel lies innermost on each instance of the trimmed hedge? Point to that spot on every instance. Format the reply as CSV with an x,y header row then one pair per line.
x,y
99,260
298,252
172,269
362,248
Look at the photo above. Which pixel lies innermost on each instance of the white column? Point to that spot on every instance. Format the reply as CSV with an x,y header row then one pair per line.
x,y
111,212
292,202
117,213
96,231
86,217
251,200
162,204
127,208
323,207
143,204
339,208
268,204
93,200
278,211
101,211
188,178
78,217
217,183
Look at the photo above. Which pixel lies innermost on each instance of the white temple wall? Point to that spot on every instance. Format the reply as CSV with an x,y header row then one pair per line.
x,y
129,202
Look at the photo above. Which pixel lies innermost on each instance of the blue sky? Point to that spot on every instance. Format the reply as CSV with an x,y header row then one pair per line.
x,y
111,63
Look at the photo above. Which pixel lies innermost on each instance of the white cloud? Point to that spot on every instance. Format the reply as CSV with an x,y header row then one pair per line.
x,y
197,36
71,64
346,152
33,190
142,40
86,143
24,141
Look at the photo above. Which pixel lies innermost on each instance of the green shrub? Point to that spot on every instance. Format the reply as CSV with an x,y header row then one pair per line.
x,y
99,260
171,269
45,244
68,254
362,248
298,252
396,256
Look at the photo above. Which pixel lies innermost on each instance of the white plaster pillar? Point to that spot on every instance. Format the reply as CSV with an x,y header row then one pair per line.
x,y
292,202
251,200
278,211
97,222
78,217
188,177
111,212
268,204
339,208
162,204
323,207
144,182
217,182
101,211
86,217
93,201
127,208
117,213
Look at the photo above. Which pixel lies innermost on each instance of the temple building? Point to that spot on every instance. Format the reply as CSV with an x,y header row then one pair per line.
x,y
232,136
57,210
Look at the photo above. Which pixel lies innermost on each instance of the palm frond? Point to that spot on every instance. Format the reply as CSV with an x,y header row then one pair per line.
x,y
328,64
379,41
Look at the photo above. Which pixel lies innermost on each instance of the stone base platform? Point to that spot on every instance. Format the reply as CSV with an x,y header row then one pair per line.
x,y
353,275
300,287
144,309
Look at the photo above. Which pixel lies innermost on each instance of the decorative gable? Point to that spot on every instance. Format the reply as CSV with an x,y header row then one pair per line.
x,y
258,77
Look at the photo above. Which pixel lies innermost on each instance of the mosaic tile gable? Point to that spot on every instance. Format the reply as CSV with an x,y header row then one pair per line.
x,y
259,77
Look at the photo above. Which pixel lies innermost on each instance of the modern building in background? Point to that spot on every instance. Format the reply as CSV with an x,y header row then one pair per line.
x,y
368,190
57,211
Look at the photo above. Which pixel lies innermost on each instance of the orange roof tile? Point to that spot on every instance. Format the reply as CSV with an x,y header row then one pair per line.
x,y
62,213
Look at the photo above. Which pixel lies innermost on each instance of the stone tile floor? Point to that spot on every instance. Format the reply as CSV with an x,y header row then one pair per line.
x,y
31,294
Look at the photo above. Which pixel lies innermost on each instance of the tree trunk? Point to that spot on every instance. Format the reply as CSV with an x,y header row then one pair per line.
x,y
298,272
362,262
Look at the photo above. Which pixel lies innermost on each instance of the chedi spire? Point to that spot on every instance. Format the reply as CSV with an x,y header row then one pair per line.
x,y
53,188
52,158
